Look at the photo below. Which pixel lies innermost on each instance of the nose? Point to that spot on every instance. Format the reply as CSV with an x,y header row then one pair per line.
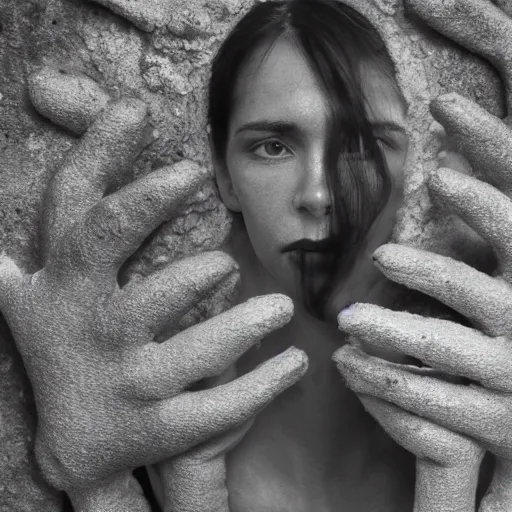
x,y
313,195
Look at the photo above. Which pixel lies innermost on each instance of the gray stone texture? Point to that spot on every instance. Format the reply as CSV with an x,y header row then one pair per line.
x,y
159,51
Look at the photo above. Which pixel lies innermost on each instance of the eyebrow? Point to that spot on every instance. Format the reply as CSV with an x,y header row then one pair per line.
x,y
280,127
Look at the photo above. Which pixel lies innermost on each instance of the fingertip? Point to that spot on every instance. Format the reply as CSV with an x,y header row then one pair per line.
x,y
276,308
186,178
297,358
224,260
189,167
283,304
291,365
449,99
354,315
392,258
191,171
382,251
443,180
384,261
215,266
449,110
177,182
67,98
344,314
341,355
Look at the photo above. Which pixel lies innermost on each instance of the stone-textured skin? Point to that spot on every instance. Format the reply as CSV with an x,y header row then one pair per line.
x,y
446,423
80,39
165,64
108,397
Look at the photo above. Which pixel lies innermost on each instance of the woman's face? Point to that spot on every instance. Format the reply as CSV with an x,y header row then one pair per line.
x,y
275,158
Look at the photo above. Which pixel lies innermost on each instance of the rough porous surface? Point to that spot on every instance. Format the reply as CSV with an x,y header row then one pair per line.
x,y
159,51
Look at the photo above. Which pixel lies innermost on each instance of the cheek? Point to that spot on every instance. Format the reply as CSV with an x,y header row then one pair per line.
x,y
265,196
395,161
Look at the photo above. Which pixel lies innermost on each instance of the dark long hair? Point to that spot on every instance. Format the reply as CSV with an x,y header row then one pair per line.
x,y
334,39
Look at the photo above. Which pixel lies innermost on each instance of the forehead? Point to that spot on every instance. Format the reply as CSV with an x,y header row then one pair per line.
x,y
274,84
277,83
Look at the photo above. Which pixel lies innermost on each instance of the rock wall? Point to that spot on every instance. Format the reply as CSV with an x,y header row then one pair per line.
x,y
159,50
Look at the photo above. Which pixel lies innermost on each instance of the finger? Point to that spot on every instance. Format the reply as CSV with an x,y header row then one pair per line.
x,y
166,295
69,99
206,349
445,488
424,439
481,206
499,494
102,155
442,344
481,27
220,300
470,410
196,480
192,418
195,487
483,138
484,300
447,464
214,448
120,493
145,15
115,227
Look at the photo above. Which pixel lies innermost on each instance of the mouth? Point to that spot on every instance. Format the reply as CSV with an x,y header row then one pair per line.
x,y
326,245
315,262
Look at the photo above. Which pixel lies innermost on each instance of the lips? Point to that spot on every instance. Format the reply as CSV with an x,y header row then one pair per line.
x,y
326,245
314,258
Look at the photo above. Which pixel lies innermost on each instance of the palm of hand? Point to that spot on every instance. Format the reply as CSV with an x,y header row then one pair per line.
x,y
445,423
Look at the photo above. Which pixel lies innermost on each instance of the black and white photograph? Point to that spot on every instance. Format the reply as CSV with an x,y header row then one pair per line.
x,y
255,256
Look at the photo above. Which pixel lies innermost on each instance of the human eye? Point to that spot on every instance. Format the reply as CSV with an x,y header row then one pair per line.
x,y
387,143
271,150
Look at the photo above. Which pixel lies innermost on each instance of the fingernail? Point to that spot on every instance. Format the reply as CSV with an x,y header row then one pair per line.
x,y
346,311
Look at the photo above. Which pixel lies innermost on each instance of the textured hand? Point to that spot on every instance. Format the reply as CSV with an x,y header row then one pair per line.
x,y
108,396
195,481
444,422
